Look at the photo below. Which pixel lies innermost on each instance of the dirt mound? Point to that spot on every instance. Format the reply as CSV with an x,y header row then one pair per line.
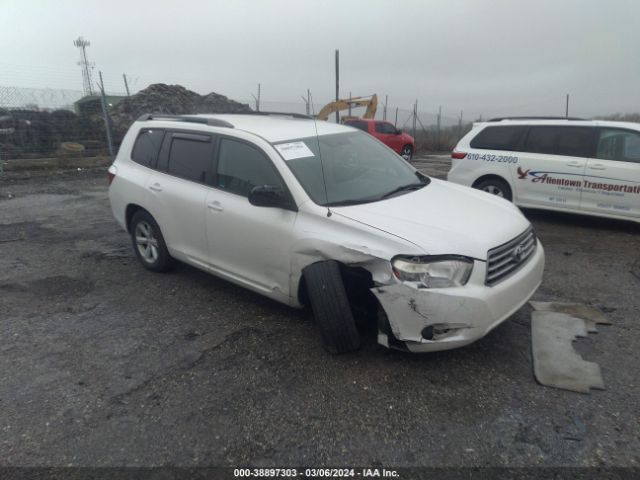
x,y
174,99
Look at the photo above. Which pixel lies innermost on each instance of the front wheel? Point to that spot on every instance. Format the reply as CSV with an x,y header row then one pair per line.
x,y
407,152
331,308
148,242
496,187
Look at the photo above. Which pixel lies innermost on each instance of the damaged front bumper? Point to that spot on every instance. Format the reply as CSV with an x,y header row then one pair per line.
x,y
428,320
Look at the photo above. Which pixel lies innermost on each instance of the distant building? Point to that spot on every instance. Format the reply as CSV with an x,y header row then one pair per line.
x,y
90,104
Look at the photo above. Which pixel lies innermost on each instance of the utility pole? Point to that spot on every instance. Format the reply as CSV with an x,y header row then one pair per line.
x,y
349,103
384,110
395,124
337,82
306,101
126,84
105,114
415,116
87,82
460,126
566,111
438,134
257,99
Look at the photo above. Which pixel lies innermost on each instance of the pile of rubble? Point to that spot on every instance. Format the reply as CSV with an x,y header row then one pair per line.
x,y
174,99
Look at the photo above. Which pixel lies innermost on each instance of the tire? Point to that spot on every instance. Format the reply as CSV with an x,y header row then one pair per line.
x,y
495,186
407,152
331,308
148,242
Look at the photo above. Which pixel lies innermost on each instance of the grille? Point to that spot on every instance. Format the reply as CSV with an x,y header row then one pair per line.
x,y
506,259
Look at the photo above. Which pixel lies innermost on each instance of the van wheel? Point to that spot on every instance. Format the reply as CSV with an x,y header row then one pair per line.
x,y
331,308
496,187
406,152
148,242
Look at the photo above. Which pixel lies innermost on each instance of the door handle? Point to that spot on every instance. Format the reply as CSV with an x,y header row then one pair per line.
x,y
215,206
155,187
597,166
574,164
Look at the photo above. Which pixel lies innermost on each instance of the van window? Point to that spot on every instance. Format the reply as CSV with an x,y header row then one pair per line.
x,y
145,150
190,157
554,140
499,137
618,144
242,167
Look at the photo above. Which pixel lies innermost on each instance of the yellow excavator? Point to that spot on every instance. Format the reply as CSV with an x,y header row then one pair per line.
x,y
370,102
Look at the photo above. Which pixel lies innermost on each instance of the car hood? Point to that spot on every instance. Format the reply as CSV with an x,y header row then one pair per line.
x,y
443,218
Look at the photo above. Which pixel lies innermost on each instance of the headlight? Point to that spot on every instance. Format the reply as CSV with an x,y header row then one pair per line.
x,y
437,271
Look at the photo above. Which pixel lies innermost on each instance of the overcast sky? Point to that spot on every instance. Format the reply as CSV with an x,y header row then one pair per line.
x,y
490,57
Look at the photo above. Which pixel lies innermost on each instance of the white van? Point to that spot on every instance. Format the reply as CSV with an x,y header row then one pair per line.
x,y
581,166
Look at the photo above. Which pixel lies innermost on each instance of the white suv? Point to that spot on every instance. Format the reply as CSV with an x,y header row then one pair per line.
x,y
582,166
313,212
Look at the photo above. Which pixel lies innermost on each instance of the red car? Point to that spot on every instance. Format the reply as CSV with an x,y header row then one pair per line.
x,y
388,134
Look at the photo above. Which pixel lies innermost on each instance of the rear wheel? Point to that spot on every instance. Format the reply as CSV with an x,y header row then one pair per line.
x,y
406,152
331,308
148,242
495,186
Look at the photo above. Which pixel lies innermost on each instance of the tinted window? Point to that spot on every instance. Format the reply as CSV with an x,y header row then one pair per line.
x,y
360,125
190,157
615,144
242,167
573,141
145,150
499,138
385,128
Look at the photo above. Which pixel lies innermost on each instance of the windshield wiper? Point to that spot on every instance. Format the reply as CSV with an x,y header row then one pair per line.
x,y
404,188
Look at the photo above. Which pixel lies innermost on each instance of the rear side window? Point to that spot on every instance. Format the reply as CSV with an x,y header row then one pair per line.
x,y
383,127
190,157
499,137
572,141
618,144
242,167
359,125
145,150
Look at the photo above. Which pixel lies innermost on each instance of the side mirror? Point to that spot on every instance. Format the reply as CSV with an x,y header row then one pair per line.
x,y
398,131
270,196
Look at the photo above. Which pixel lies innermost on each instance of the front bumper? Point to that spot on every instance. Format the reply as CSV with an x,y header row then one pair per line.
x,y
428,320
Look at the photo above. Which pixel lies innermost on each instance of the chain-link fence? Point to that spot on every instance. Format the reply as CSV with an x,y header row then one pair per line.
x,y
58,123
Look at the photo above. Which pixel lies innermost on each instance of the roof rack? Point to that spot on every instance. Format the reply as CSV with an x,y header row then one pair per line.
x,y
499,119
282,114
214,122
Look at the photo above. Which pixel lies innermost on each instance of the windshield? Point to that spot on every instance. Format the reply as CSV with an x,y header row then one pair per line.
x,y
357,169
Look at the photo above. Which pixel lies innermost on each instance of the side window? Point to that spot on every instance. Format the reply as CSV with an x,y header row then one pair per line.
x,y
383,127
616,144
242,167
359,125
145,150
499,138
190,157
572,141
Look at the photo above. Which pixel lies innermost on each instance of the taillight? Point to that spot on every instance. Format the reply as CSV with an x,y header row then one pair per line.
x,y
458,155
111,174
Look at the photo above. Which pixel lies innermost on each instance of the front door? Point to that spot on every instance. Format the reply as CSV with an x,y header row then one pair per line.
x,y
248,244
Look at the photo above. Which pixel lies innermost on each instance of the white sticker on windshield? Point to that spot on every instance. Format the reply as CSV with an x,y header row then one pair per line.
x,y
293,150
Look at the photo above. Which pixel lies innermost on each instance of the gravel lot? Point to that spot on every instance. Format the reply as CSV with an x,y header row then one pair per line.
x,y
105,363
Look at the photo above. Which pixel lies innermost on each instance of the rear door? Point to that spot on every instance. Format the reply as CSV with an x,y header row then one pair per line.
x,y
612,179
551,165
179,189
248,244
